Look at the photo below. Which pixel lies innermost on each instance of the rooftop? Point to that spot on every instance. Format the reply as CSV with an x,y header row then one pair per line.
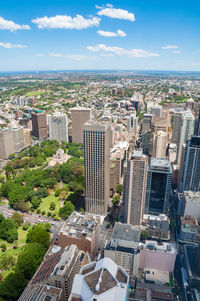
x,y
160,164
102,280
159,247
191,196
81,225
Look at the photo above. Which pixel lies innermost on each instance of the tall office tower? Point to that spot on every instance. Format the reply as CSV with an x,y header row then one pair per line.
x,y
58,129
190,178
147,142
39,124
186,131
6,143
156,110
146,126
135,188
96,138
79,117
18,138
158,190
176,127
132,124
159,144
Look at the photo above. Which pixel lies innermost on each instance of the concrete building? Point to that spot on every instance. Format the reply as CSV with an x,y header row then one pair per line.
x,y
191,260
157,226
132,124
82,230
59,268
58,129
123,247
40,292
147,142
189,232
176,127
119,155
97,166
18,138
158,190
101,281
156,110
191,204
160,140
190,175
79,116
39,124
27,137
154,255
135,187
7,145
146,125
161,123
186,131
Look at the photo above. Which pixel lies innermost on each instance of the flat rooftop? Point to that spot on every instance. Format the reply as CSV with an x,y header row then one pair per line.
x,y
159,247
160,164
126,232
191,196
81,225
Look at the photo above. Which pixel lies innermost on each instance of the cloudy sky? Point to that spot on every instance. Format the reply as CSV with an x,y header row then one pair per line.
x,y
132,34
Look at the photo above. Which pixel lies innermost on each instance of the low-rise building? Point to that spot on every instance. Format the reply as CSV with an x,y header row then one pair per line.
x,y
157,226
103,280
40,292
83,230
189,232
59,268
123,247
191,204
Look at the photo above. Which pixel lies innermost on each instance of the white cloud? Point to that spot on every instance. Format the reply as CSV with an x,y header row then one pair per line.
x,y
116,13
66,22
55,54
9,45
122,51
40,54
10,25
109,34
170,47
176,51
74,57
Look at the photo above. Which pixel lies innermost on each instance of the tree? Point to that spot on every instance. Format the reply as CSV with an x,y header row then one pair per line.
x,y
3,247
35,202
6,261
11,156
18,218
8,230
39,234
52,206
67,209
13,285
116,199
119,188
29,259
143,235
21,206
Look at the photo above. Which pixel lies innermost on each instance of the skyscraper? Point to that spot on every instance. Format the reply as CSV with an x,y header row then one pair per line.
x,y
159,144
135,188
97,166
176,127
158,189
190,178
39,124
6,143
18,138
58,129
79,115
156,110
147,119
186,131
132,124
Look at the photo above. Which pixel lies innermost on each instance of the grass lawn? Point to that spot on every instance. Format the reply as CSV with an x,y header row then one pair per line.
x,y
35,93
2,203
15,253
47,201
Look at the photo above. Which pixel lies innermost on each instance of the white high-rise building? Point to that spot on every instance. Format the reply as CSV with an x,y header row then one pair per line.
x,y
97,166
18,138
186,131
58,129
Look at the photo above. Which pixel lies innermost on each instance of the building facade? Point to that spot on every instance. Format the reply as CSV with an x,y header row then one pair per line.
x,y
39,125
58,129
97,166
79,116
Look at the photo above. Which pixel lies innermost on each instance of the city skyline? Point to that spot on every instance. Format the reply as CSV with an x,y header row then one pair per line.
x,y
128,36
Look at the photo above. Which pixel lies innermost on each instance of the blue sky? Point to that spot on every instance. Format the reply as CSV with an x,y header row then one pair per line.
x,y
132,34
